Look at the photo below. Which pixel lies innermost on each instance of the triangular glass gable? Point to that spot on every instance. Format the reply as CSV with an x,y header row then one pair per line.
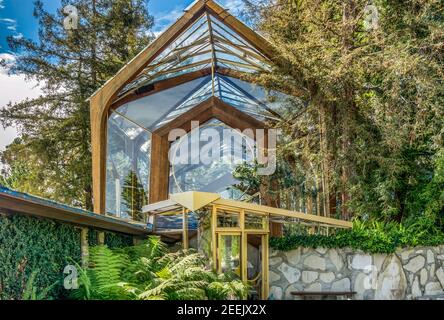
x,y
207,43
189,173
212,58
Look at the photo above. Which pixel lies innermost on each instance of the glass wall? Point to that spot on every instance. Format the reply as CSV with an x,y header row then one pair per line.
x,y
205,159
129,142
128,168
209,50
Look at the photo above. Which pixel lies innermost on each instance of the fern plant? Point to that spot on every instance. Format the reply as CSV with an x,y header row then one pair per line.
x,y
31,290
102,279
150,272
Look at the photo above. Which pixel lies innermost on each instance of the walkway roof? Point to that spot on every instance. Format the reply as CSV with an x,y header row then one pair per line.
x,y
194,201
13,202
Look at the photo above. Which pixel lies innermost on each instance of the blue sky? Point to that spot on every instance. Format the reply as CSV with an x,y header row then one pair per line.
x,y
16,19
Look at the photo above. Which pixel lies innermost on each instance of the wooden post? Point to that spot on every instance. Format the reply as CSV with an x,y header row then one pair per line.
x,y
185,243
244,247
213,236
101,238
84,247
265,266
160,168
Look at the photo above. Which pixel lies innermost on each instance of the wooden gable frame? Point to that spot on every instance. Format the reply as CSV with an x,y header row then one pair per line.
x,y
212,108
102,100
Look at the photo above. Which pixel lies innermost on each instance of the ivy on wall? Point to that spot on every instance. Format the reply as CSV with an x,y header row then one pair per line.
x,y
371,237
35,245
29,245
117,240
112,240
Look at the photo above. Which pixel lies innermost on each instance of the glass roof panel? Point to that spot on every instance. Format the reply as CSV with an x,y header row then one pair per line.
x,y
126,127
246,97
201,93
268,98
226,33
155,110
152,109
207,43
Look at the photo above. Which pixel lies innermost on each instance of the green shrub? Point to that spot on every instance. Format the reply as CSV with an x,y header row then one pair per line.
x,y
29,244
34,253
112,240
371,237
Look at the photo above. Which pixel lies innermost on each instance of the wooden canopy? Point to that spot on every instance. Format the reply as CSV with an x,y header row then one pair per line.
x,y
193,201
13,202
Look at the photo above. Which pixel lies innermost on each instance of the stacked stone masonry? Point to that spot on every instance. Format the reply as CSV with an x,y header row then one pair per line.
x,y
410,273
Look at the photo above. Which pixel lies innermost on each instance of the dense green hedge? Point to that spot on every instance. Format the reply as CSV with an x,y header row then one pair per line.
x,y
29,244
371,237
112,240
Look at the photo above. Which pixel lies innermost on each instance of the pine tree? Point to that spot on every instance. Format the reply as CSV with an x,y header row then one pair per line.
x,y
368,118
134,196
69,66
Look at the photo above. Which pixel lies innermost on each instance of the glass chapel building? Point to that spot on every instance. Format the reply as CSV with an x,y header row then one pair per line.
x,y
194,71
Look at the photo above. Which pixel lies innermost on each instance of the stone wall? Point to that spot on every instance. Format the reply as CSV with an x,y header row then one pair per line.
x,y
409,273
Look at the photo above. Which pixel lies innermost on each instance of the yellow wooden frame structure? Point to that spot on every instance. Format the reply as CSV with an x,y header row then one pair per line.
x,y
187,202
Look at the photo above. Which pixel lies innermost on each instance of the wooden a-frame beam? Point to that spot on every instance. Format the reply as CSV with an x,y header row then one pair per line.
x,y
102,99
166,84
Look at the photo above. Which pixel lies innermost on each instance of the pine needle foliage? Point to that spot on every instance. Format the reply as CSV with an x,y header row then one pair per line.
x,y
365,125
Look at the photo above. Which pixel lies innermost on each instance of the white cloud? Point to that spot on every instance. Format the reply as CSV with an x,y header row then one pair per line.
x,y
8,21
18,36
13,88
234,6
163,20
10,24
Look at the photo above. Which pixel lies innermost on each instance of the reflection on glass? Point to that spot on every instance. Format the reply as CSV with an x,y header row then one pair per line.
x,y
227,219
229,253
220,150
161,107
254,221
127,168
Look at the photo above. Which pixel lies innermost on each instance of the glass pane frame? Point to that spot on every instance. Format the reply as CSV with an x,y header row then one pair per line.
x,y
243,233
128,159
228,216
207,39
242,225
189,173
220,255
259,218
